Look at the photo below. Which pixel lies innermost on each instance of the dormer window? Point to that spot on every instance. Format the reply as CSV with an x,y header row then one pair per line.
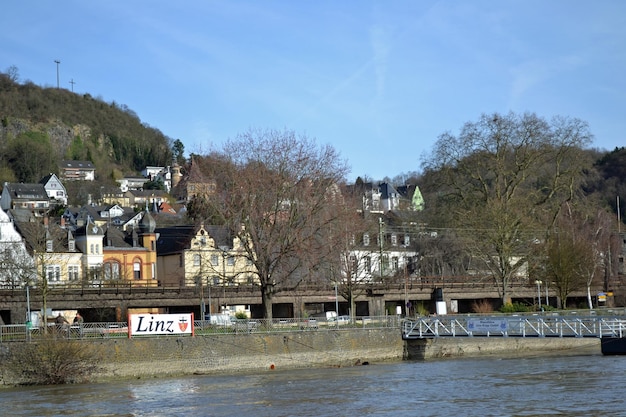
x,y
49,246
71,245
366,239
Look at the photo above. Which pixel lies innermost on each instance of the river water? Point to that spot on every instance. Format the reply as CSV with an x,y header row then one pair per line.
x,y
592,385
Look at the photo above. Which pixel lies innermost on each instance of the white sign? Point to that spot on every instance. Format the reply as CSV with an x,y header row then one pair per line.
x,y
487,325
160,324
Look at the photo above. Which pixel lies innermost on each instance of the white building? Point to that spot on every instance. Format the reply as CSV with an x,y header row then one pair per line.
x,y
16,264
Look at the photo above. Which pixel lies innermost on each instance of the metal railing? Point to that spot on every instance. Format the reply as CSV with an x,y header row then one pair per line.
x,y
513,326
23,332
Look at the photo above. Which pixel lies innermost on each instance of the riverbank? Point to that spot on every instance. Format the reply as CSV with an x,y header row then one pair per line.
x,y
228,354
248,353
455,347
252,353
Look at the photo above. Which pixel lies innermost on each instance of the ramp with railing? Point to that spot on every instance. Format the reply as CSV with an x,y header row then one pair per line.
x,y
513,326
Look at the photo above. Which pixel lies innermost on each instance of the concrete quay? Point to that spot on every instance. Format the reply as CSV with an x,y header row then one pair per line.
x,y
249,353
137,358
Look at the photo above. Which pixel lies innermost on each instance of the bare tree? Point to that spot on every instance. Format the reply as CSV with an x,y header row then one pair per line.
x,y
277,193
351,263
578,251
503,179
49,259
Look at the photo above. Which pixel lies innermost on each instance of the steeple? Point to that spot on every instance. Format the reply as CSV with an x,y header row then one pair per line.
x,y
147,223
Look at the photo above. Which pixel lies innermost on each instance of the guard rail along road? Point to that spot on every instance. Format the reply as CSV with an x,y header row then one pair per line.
x,y
23,332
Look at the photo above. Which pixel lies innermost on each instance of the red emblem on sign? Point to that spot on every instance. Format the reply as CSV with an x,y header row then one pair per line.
x,y
182,324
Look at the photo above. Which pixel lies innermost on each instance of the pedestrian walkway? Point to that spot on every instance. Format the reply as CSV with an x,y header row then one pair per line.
x,y
513,326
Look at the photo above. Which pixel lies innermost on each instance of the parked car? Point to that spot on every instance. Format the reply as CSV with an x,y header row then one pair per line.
x,y
245,325
339,320
220,319
309,324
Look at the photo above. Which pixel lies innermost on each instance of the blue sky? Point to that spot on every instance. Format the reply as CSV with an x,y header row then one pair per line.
x,y
378,80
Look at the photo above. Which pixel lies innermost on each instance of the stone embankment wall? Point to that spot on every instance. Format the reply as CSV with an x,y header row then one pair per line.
x,y
451,347
255,352
139,357
170,356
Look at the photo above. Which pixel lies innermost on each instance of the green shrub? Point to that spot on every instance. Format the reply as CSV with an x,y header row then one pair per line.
x,y
51,361
421,309
482,307
515,308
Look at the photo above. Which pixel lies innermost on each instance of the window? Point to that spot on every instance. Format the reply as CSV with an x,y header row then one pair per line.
x,y
111,271
197,260
91,249
71,245
215,260
153,270
394,263
94,272
137,270
368,264
394,240
72,272
353,264
231,260
53,273
407,240
385,263
49,246
366,239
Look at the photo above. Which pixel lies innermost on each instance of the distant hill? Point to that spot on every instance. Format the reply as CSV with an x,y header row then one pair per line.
x,y
39,127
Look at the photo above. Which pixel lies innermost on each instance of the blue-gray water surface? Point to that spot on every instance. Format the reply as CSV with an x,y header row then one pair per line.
x,y
592,385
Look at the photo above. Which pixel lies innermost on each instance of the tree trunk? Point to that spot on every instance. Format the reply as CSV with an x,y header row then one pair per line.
x,y
266,300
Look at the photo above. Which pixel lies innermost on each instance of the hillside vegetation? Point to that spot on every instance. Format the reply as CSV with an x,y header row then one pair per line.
x,y
39,127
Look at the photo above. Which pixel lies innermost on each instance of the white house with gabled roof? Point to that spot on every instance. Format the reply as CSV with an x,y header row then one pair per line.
x,y
54,188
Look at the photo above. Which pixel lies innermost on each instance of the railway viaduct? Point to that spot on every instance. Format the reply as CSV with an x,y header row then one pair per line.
x,y
114,303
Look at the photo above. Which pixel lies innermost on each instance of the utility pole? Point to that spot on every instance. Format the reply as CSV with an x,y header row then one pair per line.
x,y
57,62
380,246
72,82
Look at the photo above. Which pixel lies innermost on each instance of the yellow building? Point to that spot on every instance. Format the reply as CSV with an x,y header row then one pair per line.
x,y
202,256
131,256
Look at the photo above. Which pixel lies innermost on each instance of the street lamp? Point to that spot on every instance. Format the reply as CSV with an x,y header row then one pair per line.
x,y
28,319
202,306
336,305
223,279
538,282
209,282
